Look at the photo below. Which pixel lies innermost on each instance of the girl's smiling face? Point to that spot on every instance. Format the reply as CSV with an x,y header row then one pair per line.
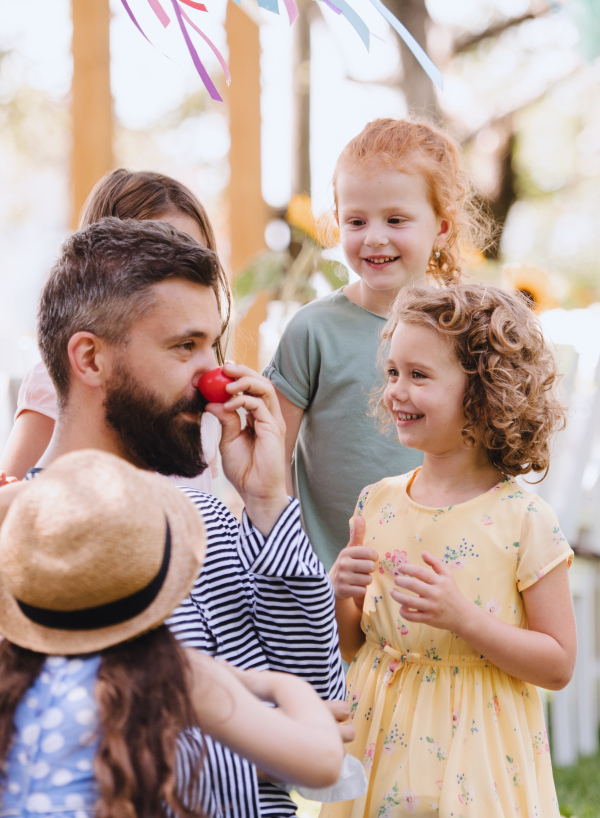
x,y
425,390
388,227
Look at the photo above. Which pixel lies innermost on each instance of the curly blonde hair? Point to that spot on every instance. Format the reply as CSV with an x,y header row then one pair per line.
x,y
511,403
420,148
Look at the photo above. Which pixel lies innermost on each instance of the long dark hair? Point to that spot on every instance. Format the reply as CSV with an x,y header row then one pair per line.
x,y
143,702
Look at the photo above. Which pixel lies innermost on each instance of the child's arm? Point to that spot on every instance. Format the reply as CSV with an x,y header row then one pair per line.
x,y
543,655
297,740
292,416
27,442
350,576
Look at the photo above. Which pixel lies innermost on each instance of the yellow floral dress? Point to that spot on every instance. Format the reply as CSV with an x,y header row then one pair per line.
x,y
441,731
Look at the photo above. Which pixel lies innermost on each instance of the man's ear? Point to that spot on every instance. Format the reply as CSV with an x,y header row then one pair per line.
x,y
87,356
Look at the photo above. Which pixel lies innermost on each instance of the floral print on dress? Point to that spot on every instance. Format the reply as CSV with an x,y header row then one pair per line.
x,y
465,793
363,497
494,706
436,748
368,756
388,512
455,704
393,740
493,606
389,674
514,772
539,741
392,562
457,558
390,799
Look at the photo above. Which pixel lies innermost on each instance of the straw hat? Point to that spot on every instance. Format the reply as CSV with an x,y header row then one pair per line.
x,y
95,552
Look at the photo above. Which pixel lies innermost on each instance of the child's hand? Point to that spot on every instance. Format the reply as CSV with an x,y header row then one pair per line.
x,y
351,572
438,603
340,710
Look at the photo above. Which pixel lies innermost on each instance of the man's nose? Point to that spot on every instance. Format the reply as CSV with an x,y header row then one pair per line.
x,y
205,361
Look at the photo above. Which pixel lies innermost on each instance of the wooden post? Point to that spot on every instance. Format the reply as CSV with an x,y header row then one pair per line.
x,y
91,102
247,210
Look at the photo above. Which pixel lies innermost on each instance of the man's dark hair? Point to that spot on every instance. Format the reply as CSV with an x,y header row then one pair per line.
x,y
102,283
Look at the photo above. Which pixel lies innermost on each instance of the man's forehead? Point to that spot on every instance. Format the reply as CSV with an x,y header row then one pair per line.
x,y
181,302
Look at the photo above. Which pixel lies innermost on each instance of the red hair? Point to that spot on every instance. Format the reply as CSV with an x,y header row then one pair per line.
x,y
419,148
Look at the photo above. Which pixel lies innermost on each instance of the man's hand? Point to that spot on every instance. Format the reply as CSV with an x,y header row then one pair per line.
x,y
254,455
351,572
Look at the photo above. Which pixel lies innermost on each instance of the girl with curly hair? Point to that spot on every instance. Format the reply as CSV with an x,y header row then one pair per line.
x,y
405,212
453,599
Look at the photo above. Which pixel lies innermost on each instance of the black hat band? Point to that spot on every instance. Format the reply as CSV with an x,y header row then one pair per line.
x,y
103,616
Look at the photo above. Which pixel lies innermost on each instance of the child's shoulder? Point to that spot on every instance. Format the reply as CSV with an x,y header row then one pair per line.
x,y
520,498
375,491
333,306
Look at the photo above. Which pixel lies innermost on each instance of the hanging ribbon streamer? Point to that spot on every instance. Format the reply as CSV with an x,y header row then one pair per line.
x,y
269,5
357,23
135,22
211,45
160,12
292,10
340,7
210,86
430,68
194,5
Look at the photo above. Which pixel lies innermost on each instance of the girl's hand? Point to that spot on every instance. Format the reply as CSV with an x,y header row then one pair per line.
x,y
351,572
438,601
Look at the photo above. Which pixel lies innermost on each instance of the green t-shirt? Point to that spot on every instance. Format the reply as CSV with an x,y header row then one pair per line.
x,y
326,363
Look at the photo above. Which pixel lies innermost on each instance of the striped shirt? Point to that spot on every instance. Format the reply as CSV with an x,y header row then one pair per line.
x,y
261,603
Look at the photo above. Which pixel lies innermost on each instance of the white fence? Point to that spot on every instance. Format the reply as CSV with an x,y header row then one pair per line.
x,y
573,489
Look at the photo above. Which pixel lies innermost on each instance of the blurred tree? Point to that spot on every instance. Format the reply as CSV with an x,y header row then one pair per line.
x,y
91,100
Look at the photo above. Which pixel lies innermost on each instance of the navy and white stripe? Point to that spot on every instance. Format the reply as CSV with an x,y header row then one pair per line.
x,y
227,783
262,603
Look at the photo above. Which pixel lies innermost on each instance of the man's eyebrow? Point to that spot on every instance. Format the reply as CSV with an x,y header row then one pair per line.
x,y
192,333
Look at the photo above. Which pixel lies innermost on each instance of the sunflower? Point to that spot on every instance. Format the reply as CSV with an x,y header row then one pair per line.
x,y
533,282
322,230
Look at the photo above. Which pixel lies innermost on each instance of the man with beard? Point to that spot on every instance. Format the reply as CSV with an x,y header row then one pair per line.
x,y
127,323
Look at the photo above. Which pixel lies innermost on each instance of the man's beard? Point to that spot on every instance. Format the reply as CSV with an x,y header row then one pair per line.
x,y
156,437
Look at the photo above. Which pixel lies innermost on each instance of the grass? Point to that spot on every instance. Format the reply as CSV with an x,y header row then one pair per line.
x,y
578,788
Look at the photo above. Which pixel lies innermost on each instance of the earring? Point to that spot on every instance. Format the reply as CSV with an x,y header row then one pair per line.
x,y
436,254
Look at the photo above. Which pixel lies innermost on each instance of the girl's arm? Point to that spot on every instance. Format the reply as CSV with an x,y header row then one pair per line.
x,y
296,741
292,415
27,442
544,654
350,576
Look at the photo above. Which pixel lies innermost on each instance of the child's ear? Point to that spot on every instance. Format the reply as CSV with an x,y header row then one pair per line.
x,y
443,232
85,356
